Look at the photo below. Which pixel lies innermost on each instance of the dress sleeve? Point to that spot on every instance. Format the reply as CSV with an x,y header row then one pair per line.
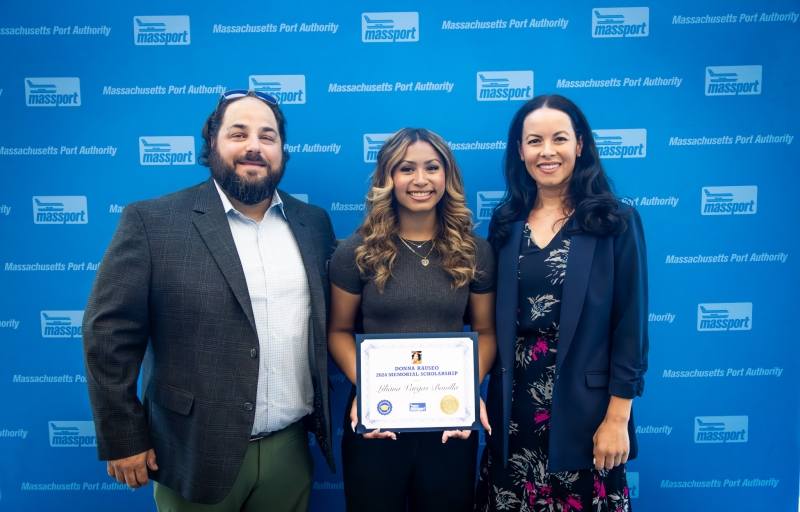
x,y
486,279
343,272
629,340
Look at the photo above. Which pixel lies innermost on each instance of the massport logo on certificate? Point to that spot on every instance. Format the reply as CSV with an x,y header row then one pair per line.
x,y
421,382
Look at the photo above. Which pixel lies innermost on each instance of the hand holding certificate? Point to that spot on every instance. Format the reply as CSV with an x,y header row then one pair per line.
x,y
417,382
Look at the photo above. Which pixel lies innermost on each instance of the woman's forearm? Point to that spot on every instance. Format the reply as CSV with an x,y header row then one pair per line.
x,y
341,342
487,351
619,410
482,313
342,349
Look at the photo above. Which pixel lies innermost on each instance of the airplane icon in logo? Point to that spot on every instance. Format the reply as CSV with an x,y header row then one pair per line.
x,y
609,19
156,147
710,426
41,88
49,207
489,83
374,144
64,431
722,77
714,313
151,27
378,23
721,197
56,320
607,140
266,86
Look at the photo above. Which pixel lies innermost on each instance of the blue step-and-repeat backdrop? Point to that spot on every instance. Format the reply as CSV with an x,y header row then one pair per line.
x,y
694,107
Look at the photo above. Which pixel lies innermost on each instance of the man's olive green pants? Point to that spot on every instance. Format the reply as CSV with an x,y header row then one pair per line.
x,y
276,476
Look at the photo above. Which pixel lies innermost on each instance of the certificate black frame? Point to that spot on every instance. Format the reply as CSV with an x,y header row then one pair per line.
x,y
360,338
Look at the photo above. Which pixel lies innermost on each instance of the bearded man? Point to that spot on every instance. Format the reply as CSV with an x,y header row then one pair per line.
x,y
219,294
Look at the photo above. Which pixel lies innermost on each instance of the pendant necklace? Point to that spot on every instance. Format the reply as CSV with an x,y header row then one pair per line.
x,y
425,259
543,216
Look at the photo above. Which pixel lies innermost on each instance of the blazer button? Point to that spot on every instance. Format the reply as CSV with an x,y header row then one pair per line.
x,y
253,352
502,369
248,406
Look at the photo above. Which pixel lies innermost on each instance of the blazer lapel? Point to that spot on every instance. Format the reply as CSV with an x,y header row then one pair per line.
x,y
576,281
216,233
507,295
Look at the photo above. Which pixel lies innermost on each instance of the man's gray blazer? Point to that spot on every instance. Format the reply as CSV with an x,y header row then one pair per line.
x,y
170,297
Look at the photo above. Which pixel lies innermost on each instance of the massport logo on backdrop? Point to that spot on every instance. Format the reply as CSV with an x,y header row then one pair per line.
x,y
621,143
166,150
727,316
729,200
389,27
504,85
161,30
72,434
487,202
62,324
633,483
287,89
620,22
373,142
720,429
733,80
60,210
53,92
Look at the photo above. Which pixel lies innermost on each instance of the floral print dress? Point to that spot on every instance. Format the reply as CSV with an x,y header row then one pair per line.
x,y
524,485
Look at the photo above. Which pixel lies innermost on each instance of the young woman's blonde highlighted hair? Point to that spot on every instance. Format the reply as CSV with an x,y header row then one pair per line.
x,y
453,237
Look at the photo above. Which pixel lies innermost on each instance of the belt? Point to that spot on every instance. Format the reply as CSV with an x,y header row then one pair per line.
x,y
260,435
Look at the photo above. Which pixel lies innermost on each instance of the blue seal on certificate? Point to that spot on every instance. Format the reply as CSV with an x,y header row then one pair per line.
x,y
384,407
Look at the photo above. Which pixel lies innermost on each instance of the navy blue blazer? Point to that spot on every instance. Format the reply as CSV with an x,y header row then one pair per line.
x,y
602,341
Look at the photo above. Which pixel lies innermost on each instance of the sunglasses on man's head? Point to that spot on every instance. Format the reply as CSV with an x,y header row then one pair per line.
x,y
240,93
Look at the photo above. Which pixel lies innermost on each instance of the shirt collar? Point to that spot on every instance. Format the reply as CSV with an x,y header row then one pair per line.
x,y
226,203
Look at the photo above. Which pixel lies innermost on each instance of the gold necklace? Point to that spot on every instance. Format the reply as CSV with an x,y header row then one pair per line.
x,y
543,216
418,246
425,260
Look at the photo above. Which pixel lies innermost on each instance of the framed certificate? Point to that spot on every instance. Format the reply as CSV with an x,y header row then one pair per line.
x,y
417,382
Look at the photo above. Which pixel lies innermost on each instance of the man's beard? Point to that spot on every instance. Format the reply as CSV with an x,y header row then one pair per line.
x,y
248,191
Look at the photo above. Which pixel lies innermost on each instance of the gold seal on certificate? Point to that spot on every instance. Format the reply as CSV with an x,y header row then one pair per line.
x,y
449,404
417,382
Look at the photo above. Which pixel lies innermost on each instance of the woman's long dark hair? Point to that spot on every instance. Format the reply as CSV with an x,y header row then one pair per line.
x,y
590,194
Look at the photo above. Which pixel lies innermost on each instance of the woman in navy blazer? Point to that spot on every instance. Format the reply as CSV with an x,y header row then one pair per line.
x,y
572,344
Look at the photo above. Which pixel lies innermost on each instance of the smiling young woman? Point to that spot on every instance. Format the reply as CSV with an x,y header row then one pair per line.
x,y
413,266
